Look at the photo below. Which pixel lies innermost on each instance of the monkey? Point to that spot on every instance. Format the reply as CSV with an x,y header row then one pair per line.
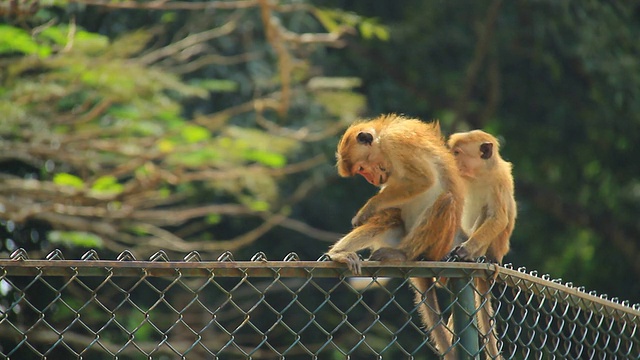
x,y
489,211
417,210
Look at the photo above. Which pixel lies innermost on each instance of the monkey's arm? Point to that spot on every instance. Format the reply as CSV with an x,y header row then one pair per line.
x,y
482,238
384,229
493,221
410,177
432,237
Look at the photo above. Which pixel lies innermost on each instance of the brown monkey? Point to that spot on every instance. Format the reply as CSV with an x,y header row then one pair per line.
x,y
489,211
418,209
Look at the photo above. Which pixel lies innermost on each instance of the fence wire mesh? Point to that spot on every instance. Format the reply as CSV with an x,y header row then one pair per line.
x,y
259,309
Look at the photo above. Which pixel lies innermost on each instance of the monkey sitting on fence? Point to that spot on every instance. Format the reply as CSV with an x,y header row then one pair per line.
x,y
418,209
488,215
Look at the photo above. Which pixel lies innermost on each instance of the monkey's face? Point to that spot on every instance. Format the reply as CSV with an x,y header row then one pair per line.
x,y
359,153
468,158
375,173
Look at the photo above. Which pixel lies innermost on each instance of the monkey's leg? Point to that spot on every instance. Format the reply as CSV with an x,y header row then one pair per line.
x,y
388,254
432,237
485,316
429,309
383,230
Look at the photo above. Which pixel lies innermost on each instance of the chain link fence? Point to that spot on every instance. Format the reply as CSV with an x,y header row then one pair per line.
x,y
259,309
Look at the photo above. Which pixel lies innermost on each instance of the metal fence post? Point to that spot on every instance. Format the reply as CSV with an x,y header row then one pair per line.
x,y
464,318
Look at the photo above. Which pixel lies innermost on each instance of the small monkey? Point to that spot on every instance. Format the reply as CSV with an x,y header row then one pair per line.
x,y
489,212
418,209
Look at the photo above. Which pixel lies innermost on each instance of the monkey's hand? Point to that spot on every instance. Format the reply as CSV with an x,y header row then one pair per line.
x,y
388,254
362,216
350,258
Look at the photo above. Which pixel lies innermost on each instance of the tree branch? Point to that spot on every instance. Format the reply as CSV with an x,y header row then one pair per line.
x,y
170,5
274,37
190,41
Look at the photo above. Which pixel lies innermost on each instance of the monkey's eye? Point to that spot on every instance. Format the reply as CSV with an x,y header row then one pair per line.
x,y
456,152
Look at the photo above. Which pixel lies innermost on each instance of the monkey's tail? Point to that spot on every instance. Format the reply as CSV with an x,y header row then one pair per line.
x,y
440,334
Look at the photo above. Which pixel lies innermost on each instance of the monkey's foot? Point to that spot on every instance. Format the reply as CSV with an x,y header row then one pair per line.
x,y
460,253
388,254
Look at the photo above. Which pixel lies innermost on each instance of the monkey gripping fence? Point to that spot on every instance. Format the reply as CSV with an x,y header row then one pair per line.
x,y
260,309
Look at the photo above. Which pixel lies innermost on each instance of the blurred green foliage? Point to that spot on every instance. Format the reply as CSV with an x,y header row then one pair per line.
x,y
148,129
119,100
134,139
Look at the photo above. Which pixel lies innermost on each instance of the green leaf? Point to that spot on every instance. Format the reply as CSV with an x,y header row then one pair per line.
x,y
57,34
90,42
345,104
164,193
592,169
381,32
168,17
65,179
107,184
145,128
216,85
334,19
327,19
75,238
196,158
14,40
366,29
266,158
259,205
137,323
166,145
246,138
139,230
370,29
125,112
193,133
213,219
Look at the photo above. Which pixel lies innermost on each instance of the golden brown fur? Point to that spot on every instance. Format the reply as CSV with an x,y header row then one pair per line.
x,y
489,211
418,209
407,159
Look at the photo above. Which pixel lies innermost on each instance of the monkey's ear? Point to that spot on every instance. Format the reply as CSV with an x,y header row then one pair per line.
x,y
486,150
364,138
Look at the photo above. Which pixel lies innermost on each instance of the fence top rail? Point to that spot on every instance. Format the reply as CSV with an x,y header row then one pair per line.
x,y
555,291
159,265
239,268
